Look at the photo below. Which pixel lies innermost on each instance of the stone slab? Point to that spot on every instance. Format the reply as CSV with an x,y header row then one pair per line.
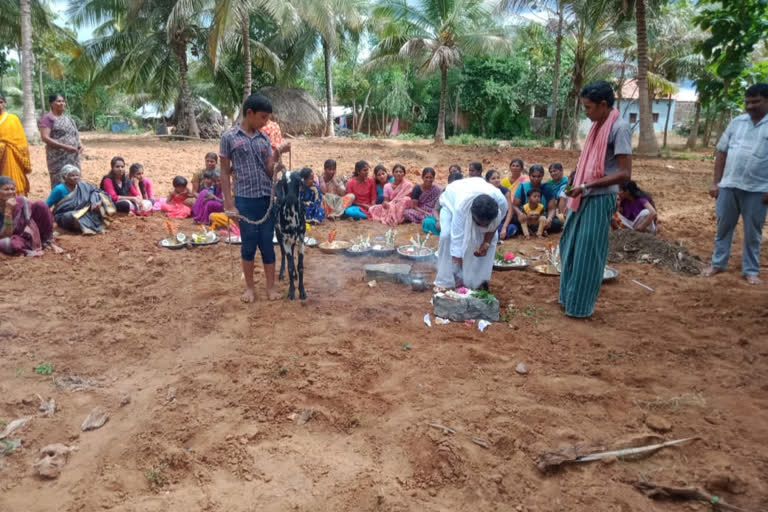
x,y
391,272
467,308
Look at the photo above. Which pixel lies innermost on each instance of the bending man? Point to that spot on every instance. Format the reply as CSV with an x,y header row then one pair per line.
x,y
470,213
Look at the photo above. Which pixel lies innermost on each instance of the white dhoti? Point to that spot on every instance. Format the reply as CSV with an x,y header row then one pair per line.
x,y
460,237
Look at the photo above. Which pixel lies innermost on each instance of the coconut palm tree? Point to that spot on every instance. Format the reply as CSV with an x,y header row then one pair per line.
x,y
28,115
231,28
20,19
435,35
589,35
331,20
144,45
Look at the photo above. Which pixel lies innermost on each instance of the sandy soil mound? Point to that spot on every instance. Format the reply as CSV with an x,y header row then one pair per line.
x,y
633,246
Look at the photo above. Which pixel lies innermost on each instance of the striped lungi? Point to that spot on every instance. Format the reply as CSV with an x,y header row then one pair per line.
x,y
583,253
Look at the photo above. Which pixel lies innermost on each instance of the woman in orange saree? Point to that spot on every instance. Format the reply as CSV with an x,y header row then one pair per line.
x,y
14,153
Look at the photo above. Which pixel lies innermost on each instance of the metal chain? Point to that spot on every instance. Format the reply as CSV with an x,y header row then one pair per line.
x,y
269,208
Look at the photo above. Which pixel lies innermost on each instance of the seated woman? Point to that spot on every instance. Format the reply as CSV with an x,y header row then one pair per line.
x,y
431,224
636,210
381,176
209,199
364,190
311,197
423,198
507,229
397,197
79,206
180,200
27,227
211,163
143,185
120,189
335,197
516,176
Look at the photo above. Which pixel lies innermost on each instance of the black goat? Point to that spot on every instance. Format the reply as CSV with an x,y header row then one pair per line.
x,y
290,226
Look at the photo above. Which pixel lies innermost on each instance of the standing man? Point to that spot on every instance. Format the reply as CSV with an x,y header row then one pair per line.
x,y
605,162
247,154
740,185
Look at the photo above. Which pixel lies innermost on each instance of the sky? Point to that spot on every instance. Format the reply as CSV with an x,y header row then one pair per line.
x,y
60,8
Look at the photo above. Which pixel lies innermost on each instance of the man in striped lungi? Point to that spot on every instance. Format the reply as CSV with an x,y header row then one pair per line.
x,y
605,162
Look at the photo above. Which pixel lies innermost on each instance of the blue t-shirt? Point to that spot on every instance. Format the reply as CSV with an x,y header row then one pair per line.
x,y
525,188
58,193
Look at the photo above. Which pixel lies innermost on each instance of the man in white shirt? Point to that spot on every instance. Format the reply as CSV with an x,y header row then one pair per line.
x,y
740,185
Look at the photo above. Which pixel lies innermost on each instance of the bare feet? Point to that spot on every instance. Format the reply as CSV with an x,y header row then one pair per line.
x,y
57,249
248,296
753,280
272,295
711,271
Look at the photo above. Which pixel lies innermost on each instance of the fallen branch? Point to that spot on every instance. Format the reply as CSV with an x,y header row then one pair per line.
x,y
581,452
632,451
447,430
657,491
480,442
638,283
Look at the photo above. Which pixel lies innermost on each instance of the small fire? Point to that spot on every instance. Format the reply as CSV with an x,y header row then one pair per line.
x,y
169,227
331,236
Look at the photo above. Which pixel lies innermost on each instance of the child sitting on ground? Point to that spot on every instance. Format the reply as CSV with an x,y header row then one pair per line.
x,y
180,200
209,199
533,211
211,162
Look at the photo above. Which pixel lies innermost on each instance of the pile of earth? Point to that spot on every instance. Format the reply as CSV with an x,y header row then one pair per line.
x,y
633,246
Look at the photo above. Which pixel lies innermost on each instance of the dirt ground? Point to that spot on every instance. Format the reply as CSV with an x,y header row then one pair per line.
x,y
213,387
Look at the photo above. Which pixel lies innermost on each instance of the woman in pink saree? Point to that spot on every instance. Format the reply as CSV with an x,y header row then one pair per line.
x,y
397,197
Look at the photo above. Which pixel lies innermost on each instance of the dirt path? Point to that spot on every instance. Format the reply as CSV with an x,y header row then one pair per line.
x,y
215,386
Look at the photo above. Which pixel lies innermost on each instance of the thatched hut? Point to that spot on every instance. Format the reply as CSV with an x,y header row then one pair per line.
x,y
296,111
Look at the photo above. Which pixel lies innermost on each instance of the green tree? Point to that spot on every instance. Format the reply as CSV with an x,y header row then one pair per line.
x,y
331,20
590,37
146,45
435,35
20,19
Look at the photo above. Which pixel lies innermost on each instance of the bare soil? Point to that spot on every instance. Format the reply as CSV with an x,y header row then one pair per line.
x,y
204,393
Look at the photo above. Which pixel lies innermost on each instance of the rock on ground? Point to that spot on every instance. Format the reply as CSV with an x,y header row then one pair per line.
x,y
467,308
658,423
391,272
96,419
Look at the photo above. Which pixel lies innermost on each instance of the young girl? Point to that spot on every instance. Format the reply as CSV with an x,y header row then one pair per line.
x,y
120,189
507,229
210,199
142,185
311,197
176,205
381,176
